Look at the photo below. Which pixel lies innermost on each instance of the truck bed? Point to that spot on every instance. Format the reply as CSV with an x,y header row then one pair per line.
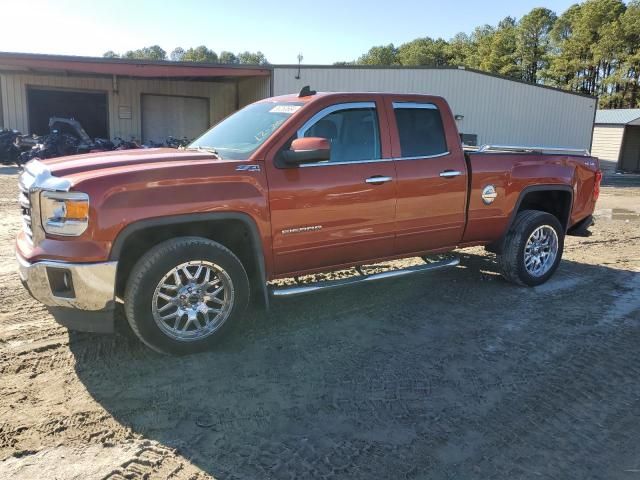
x,y
516,172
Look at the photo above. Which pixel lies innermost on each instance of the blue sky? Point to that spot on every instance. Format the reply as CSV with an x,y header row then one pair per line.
x,y
323,31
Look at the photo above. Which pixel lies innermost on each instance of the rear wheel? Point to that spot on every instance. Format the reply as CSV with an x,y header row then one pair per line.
x,y
184,294
533,248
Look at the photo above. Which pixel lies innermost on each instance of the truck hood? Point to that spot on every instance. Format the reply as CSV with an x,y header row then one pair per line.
x,y
127,160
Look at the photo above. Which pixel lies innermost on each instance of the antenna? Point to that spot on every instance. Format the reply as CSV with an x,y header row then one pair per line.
x,y
306,92
300,57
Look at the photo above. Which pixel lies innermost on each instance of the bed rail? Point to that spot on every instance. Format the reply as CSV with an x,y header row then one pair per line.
x,y
530,149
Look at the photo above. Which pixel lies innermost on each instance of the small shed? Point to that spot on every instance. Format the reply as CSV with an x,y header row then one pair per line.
x,y
616,138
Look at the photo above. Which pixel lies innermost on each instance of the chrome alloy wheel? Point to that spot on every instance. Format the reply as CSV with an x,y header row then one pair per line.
x,y
192,300
541,250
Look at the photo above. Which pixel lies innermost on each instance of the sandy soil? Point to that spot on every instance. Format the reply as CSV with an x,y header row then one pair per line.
x,y
452,375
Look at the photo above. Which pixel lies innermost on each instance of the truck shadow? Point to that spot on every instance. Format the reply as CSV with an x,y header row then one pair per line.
x,y
395,379
621,181
9,170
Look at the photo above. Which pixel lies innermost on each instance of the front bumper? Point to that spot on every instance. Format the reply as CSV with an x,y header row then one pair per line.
x,y
73,290
92,284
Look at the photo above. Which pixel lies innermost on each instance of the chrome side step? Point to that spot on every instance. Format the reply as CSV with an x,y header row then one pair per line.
x,y
291,291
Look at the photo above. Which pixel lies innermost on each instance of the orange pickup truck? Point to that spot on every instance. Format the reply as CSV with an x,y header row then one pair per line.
x,y
286,186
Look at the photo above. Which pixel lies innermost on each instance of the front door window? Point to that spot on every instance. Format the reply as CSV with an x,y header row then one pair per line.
x,y
352,130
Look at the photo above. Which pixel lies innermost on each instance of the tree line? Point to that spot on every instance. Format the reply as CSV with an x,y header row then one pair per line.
x,y
197,54
592,48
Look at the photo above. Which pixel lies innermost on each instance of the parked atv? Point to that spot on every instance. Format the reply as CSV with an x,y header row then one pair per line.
x,y
9,152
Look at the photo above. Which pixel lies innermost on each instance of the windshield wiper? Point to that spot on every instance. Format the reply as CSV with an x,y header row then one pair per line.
x,y
211,150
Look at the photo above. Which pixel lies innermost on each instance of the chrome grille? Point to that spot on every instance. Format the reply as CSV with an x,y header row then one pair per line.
x,y
24,199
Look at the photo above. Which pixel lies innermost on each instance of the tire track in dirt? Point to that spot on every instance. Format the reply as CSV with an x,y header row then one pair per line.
x,y
152,460
566,417
455,375
84,428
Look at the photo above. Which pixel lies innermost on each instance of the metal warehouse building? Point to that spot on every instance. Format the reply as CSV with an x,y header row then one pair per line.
x,y
152,100
616,138
143,100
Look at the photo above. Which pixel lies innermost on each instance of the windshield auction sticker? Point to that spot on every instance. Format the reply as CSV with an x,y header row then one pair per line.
x,y
288,109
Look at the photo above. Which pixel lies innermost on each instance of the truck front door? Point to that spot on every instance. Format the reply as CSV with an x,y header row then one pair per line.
x,y
431,172
340,211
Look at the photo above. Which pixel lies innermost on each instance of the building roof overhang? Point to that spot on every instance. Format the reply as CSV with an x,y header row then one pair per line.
x,y
29,62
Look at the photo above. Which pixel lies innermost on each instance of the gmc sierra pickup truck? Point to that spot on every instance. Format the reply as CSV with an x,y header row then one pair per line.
x,y
285,187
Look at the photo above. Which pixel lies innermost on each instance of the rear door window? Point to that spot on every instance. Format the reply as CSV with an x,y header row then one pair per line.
x,y
420,130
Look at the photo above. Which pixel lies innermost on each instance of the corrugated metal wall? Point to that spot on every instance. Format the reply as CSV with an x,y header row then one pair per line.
x,y
499,111
253,89
13,88
607,141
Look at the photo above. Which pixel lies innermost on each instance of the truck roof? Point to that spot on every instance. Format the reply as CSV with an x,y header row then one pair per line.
x,y
292,97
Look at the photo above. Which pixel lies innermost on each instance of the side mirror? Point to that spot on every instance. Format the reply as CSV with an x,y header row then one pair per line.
x,y
307,150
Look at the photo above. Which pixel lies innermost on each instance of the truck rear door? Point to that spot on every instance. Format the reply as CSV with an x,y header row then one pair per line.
x,y
431,174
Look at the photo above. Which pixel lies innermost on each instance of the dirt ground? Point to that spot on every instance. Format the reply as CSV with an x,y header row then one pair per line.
x,y
451,375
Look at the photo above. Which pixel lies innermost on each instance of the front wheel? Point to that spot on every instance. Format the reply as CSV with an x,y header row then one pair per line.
x,y
533,248
183,294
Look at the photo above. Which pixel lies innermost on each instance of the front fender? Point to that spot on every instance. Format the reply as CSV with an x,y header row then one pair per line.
x,y
121,198
257,242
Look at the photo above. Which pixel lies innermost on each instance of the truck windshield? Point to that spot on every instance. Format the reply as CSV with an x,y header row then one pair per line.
x,y
240,134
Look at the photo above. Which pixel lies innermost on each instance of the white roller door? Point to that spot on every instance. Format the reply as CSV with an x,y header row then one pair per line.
x,y
167,115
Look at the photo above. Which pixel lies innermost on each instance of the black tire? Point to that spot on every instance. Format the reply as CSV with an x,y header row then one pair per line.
x,y
512,259
152,268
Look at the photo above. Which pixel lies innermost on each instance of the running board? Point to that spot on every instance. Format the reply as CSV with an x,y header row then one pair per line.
x,y
291,291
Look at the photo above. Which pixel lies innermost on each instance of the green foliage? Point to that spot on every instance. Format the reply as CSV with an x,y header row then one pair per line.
x,y
424,51
385,55
494,49
228,57
592,48
153,52
200,54
627,92
533,41
250,58
177,55
459,49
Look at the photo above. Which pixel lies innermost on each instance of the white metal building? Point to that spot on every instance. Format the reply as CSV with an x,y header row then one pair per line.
x,y
496,109
616,138
152,100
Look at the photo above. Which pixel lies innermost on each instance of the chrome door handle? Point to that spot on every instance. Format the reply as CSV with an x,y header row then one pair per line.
x,y
378,179
450,173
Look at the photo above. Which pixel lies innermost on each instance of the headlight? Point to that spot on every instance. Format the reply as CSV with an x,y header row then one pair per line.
x,y
64,213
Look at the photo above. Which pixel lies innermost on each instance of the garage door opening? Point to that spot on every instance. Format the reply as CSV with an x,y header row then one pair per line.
x,y
173,116
630,154
89,108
